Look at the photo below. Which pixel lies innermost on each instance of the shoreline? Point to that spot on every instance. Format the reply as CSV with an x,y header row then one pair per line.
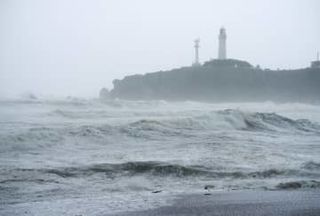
x,y
240,203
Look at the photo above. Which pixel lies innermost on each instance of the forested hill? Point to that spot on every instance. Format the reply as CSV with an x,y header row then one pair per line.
x,y
222,81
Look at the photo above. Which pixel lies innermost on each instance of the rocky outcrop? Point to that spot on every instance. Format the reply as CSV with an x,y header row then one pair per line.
x,y
104,94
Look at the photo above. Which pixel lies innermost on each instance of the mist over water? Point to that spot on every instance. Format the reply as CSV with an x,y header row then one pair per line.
x,y
86,156
76,47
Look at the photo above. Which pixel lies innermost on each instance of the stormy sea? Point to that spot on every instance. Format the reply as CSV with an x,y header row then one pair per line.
x,y
78,156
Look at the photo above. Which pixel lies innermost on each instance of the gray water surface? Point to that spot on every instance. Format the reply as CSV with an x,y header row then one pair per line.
x,y
77,156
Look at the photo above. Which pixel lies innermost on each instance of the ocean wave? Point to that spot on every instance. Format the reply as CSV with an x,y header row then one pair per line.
x,y
88,102
158,171
215,120
154,168
226,120
73,101
63,113
32,138
47,136
129,168
82,114
304,184
91,131
269,121
161,128
311,165
150,129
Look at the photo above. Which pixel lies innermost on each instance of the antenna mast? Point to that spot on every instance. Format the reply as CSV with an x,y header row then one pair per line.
x,y
196,47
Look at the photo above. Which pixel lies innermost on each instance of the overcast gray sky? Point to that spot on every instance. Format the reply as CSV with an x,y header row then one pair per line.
x,y
75,47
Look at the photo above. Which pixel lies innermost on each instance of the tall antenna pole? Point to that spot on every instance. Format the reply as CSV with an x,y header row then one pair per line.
x,y
196,48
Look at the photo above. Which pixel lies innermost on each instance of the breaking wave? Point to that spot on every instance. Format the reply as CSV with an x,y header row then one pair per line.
x,y
155,168
311,165
304,184
226,119
215,120
174,127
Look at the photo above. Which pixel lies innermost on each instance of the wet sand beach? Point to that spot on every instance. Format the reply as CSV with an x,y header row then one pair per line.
x,y
241,203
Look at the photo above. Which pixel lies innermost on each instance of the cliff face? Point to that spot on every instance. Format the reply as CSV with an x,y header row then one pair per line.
x,y
221,81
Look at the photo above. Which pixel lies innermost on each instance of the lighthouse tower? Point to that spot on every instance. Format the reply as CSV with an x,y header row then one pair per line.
x,y
222,44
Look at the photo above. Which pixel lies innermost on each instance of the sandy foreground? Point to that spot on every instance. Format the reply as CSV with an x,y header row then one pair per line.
x,y
241,203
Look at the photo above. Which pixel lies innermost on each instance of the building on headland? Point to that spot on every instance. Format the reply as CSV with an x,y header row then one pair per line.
x,y
316,64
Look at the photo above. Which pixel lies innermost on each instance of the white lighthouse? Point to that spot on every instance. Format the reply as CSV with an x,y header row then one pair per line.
x,y
222,44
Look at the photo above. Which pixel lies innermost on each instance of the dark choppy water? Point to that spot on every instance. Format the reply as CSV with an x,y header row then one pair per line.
x,y
68,157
